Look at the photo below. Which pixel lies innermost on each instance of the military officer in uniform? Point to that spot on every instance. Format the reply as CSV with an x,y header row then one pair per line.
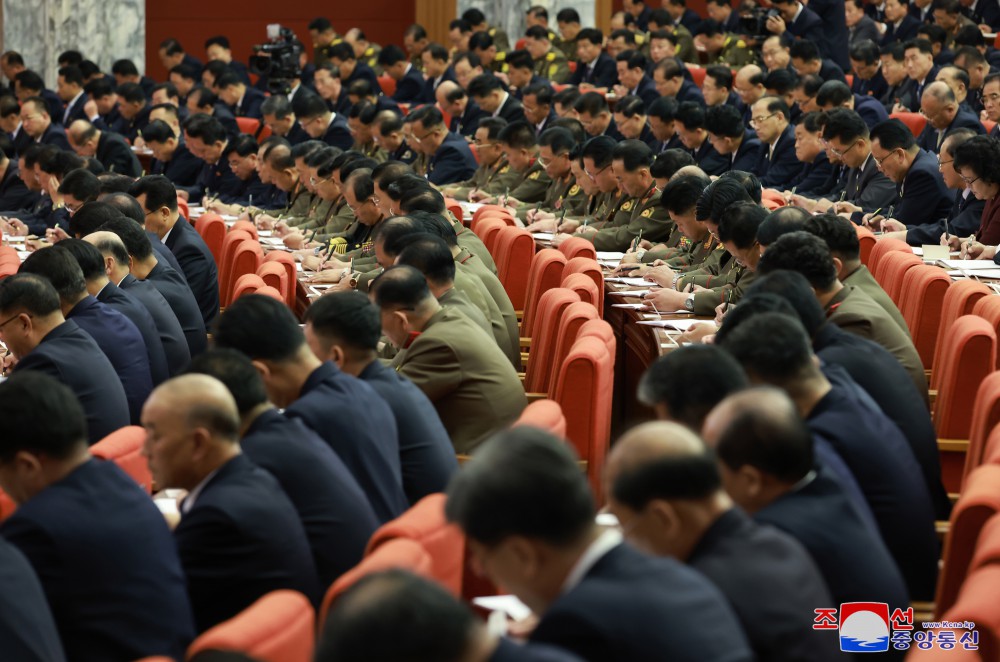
x,y
324,37
520,148
563,194
494,174
477,23
550,63
722,47
364,50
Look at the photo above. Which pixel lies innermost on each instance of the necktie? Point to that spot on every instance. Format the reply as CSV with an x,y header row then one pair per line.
x,y
940,138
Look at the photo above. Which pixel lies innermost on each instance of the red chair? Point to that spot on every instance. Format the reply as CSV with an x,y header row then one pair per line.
x,y
248,125
10,262
546,272
578,247
488,229
545,415
183,208
915,122
977,603
7,506
455,208
388,85
583,265
583,389
249,227
274,275
504,216
291,269
922,300
584,287
399,553
987,548
425,524
883,246
988,125
959,300
866,238
551,308
697,74
989,309
279,627
572,323
985,417
245,258
124,448
488,210
213,230
598,328
890,271
776,196
515,249
269,291
247,284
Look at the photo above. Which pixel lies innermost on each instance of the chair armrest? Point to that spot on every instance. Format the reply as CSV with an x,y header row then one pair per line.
x,y
953,445
534,397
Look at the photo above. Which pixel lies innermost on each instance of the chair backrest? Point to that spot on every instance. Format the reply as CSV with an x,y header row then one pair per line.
x,y
583,285
583,389
247,284
246,259
212,229
775,196
578,247
570,326
10,262
7,506
697,74
456,209
977,603
922,299
245,225
124,448
980,501
274,275
487,210
915,122
891,270
546,272
987,544
985,417
866,239
541,365
288,262
388,84
269,291
884,246
248,125
598,328
399,553
183,208
425,524
584,265
279,627
545,415
969,355
488,230
989,309
515,248
229,243
959,300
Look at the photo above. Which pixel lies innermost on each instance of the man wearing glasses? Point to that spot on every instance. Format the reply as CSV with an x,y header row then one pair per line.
x,y
449,158
777,165
494,175
36,122
944,115
323,124
991,102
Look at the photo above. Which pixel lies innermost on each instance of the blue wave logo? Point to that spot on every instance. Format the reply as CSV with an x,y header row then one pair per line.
x,y
854,645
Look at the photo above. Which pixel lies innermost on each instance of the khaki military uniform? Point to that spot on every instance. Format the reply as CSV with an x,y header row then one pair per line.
x,y
725,279
321,54
469,241
370,57
371,150
735,53
474,266
684,255
568,48
494,179
299,201
685,43
499,63
560,194
500,39
531,187
338,219
647,218
473,288
315,216
553,66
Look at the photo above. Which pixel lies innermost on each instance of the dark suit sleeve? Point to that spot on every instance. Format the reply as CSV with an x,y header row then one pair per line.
x,y
407,91
121,160
920,201
783,168
810,29
40,550
747,161
450,167
339,136
205,546
202,278
575,634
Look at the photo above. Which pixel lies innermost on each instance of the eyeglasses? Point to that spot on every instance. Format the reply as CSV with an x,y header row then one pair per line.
x,y
991,97
314,181
880,161
361,204
72,209
757,121
942,164
593,176
969,182
480,143
420,139
837,152
11,319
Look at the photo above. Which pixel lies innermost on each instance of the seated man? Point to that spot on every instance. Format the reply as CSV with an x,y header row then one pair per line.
x,y
449,159
729,137
562,194
768,467
944,115
133,111
494,174
550,62
689,122
171,157
207,140
836,94
777,165
490,96
27,629
409,80
109,149
88,531
243,100
15,193
582,579
806,60
280,118
345,327
28,84
680,198
37,123
239,537
457,365
817,170
666,490
595,69
347,413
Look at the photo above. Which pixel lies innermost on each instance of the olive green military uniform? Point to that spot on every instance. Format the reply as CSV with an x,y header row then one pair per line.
x,y
469,241
371,150
473,288
502,314
568,48
553,66
299,201
560,194
321,54
726,285
315,216
337,222
685,254
494,179
735,53
500,39
685,43
531,186
419,165
454,299
499,63
647,217
370,57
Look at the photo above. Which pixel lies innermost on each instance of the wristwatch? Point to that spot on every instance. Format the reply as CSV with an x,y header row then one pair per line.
x,y
689,303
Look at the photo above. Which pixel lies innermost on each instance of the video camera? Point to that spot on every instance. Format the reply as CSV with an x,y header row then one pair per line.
x,y
753,20
278,60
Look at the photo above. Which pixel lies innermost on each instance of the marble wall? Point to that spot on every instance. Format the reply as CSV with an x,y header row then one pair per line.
x,y
509,14
103,30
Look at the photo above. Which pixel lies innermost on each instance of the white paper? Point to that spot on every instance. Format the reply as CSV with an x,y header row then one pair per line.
x,y
264,234
471,207
968,265
978,273
543,236
606,519
629,306
639,282
610,256
679,325
632,293
272,241
508,604
11,239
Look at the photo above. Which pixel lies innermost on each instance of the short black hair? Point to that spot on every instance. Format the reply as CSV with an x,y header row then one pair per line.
x,y
132,93
217,40
72,75
793,288
922,45
431,256
390,55
520,135
236,372
127,205
568,15
680,195
893,134
690,381
833,93
205,128
739,222
667,163
40,415
158,131
718,196
520,59
260,327
400,285
781,221
721,74
558,139
599,149
838,233
30,80
691,114
982,155
591,103
483,84
763,302
725,121
30,293
159,192
680,476
349,317
805,50
522,481
473,16
802,252
70,57
593,35
634,155
844,125
81,184
58,266
136,240
786,354
865,51
320,24
89,258
391,233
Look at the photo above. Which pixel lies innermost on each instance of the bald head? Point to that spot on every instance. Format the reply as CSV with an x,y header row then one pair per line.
x,y
651,442
83,137
116,258
690,170
201,401
443,90
939,105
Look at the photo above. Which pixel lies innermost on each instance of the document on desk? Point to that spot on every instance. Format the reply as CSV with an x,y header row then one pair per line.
x,y
610,256
637,282
989,274
967,265
543,236
632,293
508,604
677,325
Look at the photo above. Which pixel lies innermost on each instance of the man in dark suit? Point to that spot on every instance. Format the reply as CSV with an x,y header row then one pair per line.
x,y
899,25
89,532
836,94
158,198
69,87
409,80
800,22
923,197
41,339
488,93
865,189
146,270
583,580
944,115
689,123
777,165
172,158
133,111
29,84
730,138
920,70
866,64
801,500
449,159
27,629
323,124
594,67
242,100
239,537
860,27
14,193
207,140
982,12
117,336
661,470
351,69
342,409
108,148
165,322
345,327
37,123
335,513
